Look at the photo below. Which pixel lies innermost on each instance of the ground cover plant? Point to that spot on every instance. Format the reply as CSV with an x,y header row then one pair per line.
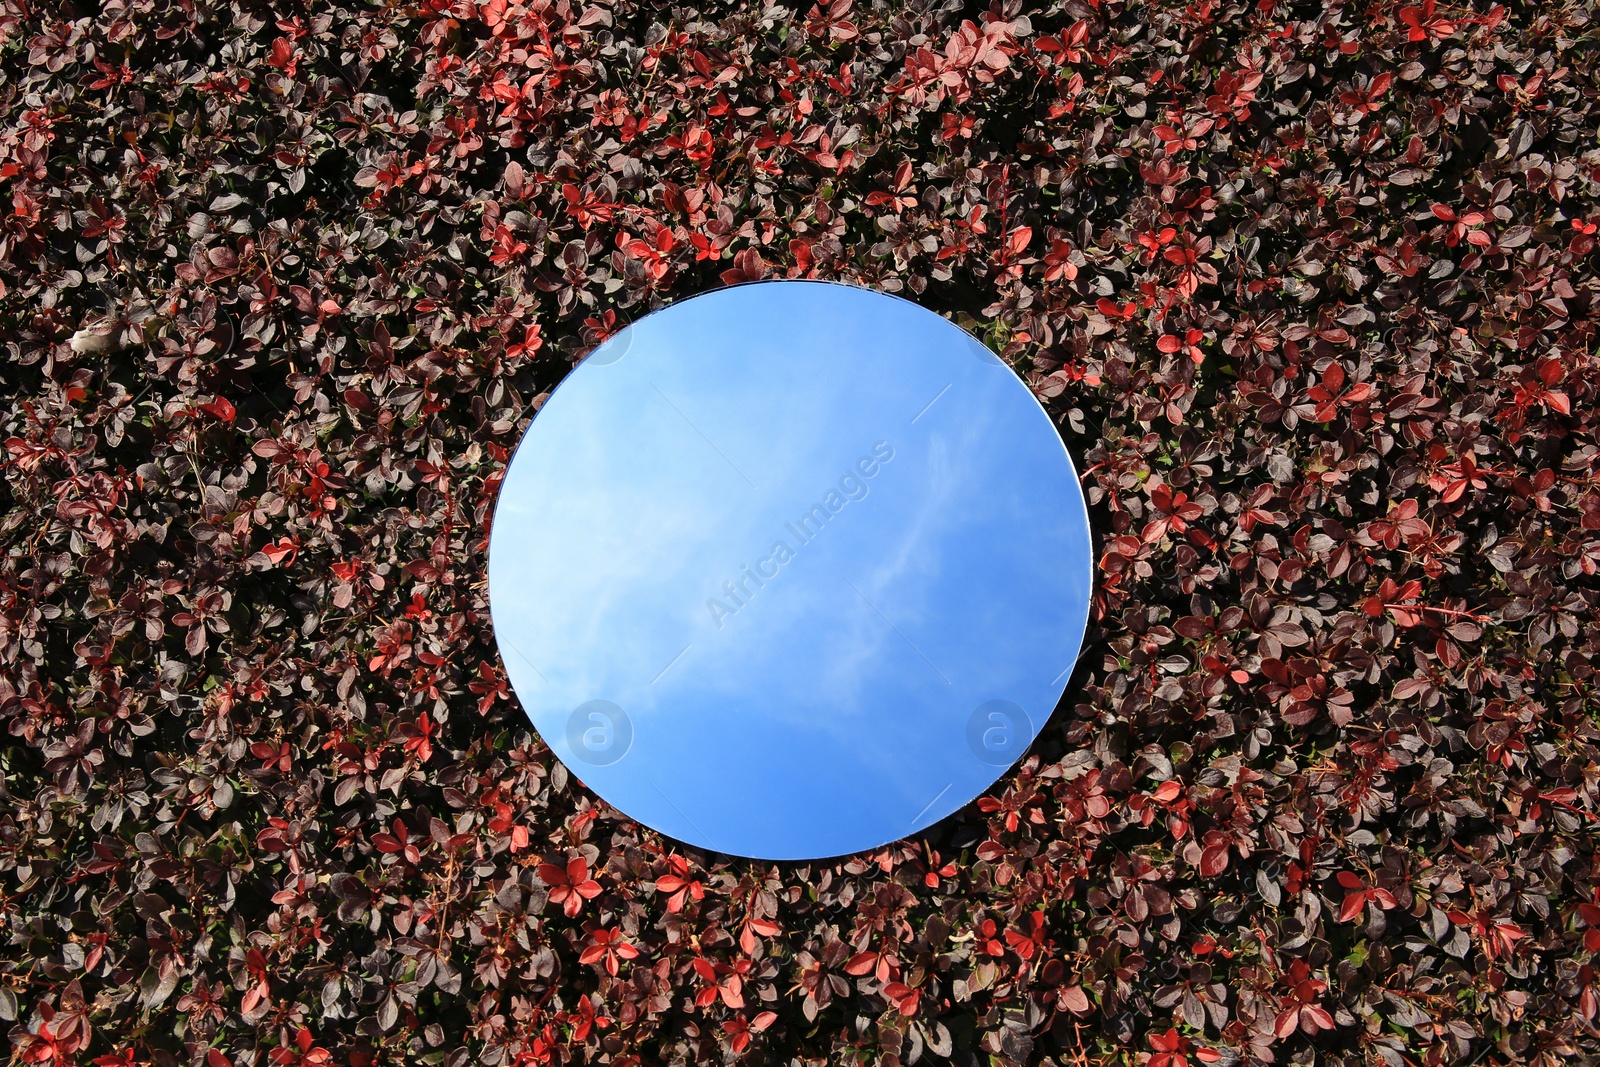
x,y
1309,289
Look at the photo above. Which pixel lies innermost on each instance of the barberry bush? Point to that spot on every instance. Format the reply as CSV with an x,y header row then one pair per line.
x,y
1309,290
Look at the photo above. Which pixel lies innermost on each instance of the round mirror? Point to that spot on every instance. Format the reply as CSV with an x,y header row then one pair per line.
x,y
790,570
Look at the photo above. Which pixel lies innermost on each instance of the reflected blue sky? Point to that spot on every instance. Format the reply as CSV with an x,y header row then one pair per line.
x,y
812,699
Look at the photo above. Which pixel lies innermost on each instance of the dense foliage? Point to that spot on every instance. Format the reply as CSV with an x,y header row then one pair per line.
x,y
1310,291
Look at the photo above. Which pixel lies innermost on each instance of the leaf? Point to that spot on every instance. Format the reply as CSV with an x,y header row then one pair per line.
x,y
220,408
1410,687
861,963
1268,887
155,987
346,789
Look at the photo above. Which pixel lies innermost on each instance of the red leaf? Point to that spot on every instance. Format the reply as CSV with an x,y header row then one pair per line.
x,y
1318,1017
282,549
861,963
219,408
251,998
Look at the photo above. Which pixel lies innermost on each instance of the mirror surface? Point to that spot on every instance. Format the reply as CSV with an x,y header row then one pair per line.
x,y
790,570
